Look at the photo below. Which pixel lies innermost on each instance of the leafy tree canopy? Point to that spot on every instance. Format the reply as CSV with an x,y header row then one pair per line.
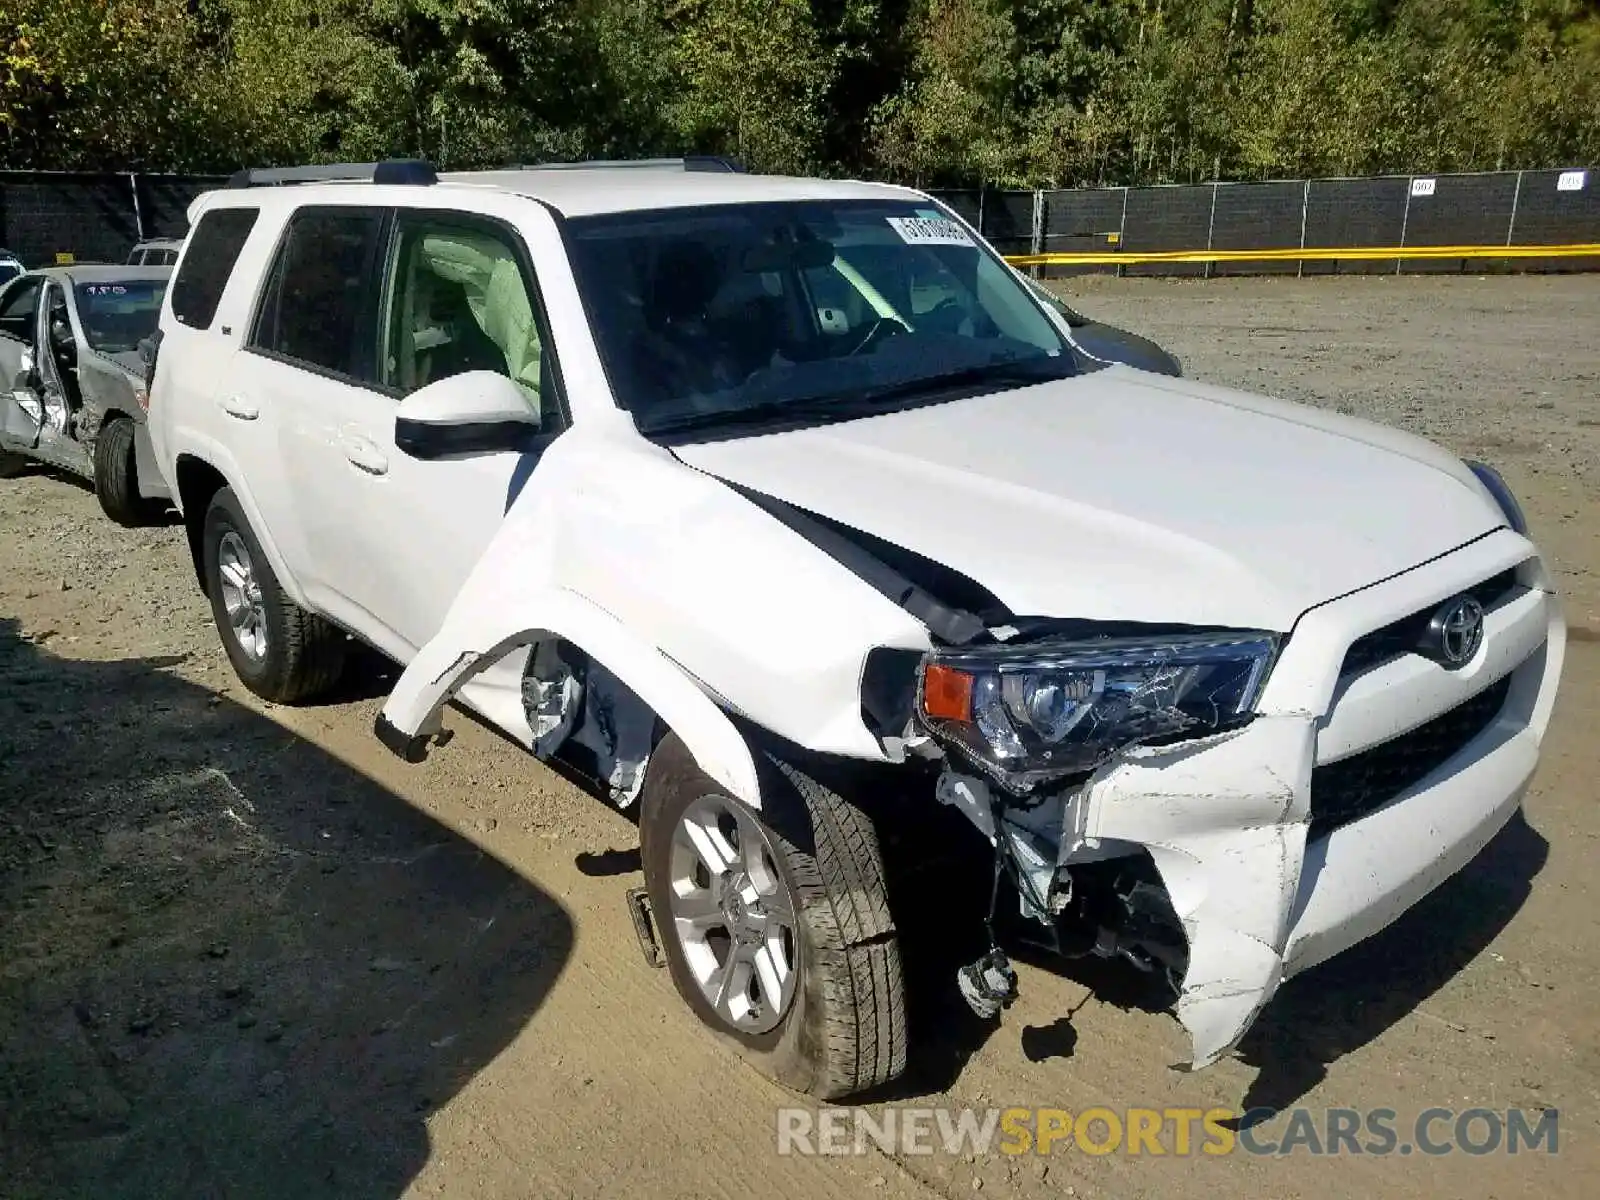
x,y
1014,92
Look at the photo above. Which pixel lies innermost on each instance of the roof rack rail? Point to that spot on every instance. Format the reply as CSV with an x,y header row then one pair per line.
x,y
408,171
690,162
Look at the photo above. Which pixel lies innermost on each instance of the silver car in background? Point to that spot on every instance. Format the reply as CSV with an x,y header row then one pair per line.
x,y
74,389
158,252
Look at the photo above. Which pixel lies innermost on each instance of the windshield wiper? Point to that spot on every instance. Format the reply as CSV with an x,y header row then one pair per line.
x,y
1007,370
831,408
871,401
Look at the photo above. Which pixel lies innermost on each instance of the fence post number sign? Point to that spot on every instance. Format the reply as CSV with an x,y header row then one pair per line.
x,y
1572,181
1423,187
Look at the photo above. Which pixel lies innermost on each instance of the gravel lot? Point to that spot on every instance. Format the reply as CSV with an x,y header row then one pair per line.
x,y
246,952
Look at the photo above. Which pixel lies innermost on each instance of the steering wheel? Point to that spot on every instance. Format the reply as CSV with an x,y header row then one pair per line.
x,y
883,327
945,317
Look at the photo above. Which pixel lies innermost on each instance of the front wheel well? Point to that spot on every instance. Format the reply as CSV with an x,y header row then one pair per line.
x,y
600,727
198,482
606,732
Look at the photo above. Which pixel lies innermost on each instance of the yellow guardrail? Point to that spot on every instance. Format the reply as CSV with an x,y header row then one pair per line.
x,y
1114,258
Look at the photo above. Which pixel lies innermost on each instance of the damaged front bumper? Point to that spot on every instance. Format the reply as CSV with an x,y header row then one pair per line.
x,y
1267,870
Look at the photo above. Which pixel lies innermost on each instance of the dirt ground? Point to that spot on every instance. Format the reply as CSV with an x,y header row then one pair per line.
x,y
244,951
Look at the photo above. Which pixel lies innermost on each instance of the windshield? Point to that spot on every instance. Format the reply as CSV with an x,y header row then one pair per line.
x,y
708,315
116,315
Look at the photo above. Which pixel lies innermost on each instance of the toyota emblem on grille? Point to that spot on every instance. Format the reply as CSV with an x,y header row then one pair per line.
x,y
1455,632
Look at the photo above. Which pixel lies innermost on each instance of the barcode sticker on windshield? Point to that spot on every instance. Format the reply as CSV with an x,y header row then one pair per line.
x,y
930,231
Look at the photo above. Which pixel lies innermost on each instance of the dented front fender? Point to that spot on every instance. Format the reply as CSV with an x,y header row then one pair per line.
x,y
483,630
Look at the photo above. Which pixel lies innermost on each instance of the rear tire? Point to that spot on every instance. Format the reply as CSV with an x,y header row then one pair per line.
x,y
842,1025
11,464
116,477
280,651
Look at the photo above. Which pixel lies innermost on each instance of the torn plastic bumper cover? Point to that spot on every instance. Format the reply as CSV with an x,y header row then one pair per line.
x,y
1224,820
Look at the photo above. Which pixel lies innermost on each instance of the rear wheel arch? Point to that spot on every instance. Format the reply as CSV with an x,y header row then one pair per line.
x,y
198,481
280,651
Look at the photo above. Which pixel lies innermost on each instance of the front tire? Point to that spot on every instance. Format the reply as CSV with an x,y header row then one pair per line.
x,y
116,477
280,651
776,924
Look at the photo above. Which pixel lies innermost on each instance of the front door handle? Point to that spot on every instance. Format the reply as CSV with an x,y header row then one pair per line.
x,y
238,406
364,455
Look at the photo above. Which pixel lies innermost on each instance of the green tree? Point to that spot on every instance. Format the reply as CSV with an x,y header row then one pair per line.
x,y
941,92
113,85
752,78
955,119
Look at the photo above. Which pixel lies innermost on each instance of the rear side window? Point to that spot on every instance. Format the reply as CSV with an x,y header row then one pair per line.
x,y
214,247
320,304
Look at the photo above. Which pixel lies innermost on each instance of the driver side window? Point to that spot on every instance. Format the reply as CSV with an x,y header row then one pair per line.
x,y
458,300
18,309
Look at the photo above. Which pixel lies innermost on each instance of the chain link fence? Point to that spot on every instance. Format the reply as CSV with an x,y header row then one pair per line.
x,y
1478,212
99,218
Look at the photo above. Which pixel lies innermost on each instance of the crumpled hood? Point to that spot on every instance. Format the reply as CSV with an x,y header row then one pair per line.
x,y
1121,495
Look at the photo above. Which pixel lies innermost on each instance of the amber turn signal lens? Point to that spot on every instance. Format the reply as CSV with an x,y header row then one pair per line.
x,y
946,693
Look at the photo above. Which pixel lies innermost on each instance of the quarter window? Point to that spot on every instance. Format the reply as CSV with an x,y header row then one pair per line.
x,y
319,304
214,248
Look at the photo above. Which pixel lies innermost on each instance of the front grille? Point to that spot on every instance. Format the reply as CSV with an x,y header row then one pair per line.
x,y
1349,789
1401,637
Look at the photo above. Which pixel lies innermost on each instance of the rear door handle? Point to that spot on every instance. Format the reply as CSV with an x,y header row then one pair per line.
x,y
238,406
364,455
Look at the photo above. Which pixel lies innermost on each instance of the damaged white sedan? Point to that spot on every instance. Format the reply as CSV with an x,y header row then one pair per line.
x,y
735,492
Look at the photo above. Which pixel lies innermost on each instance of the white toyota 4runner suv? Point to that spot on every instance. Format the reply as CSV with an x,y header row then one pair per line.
x,y
728,490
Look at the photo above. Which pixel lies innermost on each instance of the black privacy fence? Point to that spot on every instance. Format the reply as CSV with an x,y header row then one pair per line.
x,y
48,217
1501,220
1491,221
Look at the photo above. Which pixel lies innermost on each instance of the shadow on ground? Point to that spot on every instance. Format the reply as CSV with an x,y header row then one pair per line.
x,y
233,965
1337,1008
32,466
939,899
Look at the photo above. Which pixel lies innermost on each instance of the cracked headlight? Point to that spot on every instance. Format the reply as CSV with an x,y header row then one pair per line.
x,y
1030,713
